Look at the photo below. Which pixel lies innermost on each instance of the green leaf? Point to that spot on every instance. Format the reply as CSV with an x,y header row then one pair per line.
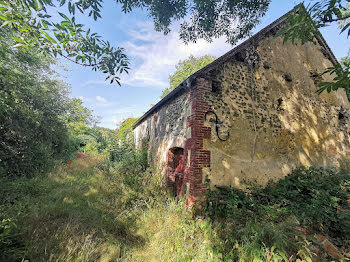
x,y
17,39
50,38
4,17
64,16
5,23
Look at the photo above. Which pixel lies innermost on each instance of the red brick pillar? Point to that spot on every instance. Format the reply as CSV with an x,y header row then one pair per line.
x,y
199,158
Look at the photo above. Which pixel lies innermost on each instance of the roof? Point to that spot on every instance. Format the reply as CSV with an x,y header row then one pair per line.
x,y
226,57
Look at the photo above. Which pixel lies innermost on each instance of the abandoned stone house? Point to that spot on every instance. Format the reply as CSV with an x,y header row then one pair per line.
x,y
252,114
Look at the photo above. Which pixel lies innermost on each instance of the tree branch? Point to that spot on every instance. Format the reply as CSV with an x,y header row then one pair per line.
x,y
70,59
335,19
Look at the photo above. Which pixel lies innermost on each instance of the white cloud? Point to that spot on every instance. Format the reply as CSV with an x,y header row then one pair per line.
x,y
84,99
101,99
154,55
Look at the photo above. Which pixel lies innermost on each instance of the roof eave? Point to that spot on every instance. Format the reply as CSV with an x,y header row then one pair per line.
x,y
186,84
224,58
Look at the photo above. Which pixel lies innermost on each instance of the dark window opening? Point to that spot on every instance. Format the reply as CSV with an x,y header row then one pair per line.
x,y
239,57
176,156
279,102
215,86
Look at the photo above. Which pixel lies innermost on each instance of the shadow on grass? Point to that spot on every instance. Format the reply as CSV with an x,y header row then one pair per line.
x,y
77,213
281,220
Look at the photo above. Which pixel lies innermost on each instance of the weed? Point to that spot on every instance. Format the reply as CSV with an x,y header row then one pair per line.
x,y
261,222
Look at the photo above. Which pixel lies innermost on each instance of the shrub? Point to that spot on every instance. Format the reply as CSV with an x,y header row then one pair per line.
x,y
11,246
33,134
315,196
312,197
130,161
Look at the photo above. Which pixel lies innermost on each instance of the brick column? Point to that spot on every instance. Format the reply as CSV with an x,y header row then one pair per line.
x,y
198,158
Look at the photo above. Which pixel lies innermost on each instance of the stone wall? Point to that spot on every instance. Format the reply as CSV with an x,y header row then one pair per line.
x,y
265,101
165,129
254,117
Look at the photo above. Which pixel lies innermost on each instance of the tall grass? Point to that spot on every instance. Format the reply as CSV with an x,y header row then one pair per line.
x,y
172,235
86,212
95,210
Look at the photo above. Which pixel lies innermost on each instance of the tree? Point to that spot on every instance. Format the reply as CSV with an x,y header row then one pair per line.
x,y
208,19
33,111
185,68
77,117
235,20
125,128
33,28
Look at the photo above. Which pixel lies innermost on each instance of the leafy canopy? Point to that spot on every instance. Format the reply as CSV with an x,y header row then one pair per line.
x,y
185,68
77,117
303,25
208,19
34,118
33,28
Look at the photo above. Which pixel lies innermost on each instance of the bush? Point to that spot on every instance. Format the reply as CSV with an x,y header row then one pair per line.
x,y
33,133
265,218
11,246
315,196
129,161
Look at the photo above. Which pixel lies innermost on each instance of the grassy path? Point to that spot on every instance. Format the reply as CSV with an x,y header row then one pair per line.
x,y
83,212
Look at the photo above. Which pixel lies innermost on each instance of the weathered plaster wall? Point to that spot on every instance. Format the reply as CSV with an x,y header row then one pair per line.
x,y
271,89
165,129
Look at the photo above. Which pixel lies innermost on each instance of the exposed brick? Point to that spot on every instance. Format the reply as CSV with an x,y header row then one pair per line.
x,y
331,250
320,238
200,157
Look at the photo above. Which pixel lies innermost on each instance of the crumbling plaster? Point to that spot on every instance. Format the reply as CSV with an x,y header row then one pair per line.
x,y
271,89
165,129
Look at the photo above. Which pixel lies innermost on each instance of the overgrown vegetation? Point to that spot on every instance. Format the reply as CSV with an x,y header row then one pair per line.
x,y
109,205
125,128
100,210
39,124
261,222
33,102
97,211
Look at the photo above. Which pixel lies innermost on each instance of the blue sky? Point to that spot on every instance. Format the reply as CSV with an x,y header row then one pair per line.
x,y
153,57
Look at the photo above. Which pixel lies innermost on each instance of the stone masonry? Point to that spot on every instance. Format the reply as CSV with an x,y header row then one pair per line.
x,y
253,114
